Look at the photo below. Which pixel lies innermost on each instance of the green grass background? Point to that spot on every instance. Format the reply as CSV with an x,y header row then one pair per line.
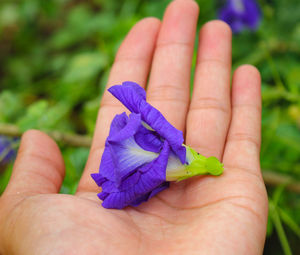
x,y
55,56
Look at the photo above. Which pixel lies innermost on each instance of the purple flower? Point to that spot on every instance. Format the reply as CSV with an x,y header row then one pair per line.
x,y
134,162
241,14
143,152
7,153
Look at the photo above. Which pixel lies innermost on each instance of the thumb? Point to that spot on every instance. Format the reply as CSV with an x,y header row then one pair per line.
x,y
39,167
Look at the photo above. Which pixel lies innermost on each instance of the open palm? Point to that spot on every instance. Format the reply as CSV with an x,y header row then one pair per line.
x,y
202,215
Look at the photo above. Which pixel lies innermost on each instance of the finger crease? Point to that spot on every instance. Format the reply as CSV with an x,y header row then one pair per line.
x,y
163,92
249,106
122,59
250,171
248,209
209,103
167,44
213,61
243,137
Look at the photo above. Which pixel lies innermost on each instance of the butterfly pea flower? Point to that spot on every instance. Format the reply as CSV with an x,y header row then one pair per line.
x,y
241,14
144,152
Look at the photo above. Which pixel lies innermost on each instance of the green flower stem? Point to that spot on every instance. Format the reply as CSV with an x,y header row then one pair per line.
x,y
196,165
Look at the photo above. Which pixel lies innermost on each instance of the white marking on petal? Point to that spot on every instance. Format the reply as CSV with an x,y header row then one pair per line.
x,y
238,5
175,168
174,164
132,154
189,156
137,151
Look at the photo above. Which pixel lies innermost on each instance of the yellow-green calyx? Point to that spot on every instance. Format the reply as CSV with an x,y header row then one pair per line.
x,y
196,165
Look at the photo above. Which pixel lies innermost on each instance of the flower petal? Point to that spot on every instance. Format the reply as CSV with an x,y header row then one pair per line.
x,y
118,123
126,153
240,14
134,98
129,94
252,14
148,140
130,181
157,121
147,196
128,156
106,168
128,130
99,179
7,153
107,165
152,177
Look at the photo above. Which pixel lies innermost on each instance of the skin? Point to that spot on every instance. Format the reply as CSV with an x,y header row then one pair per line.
x,y
202,215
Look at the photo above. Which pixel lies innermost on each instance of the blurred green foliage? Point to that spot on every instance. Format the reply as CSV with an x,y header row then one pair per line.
x,y
55,56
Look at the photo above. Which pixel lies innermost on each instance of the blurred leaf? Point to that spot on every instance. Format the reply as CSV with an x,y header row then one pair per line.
x,y
90,112
279,228
270,226
293,79
41,115
288,220
75,160
75,29
9,15
29,9
84,66
290,135
10,105
5,176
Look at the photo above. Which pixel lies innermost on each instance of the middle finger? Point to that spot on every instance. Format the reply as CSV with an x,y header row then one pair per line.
x,y
169,82
209,113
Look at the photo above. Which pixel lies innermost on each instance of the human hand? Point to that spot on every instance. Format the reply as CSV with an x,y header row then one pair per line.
x,y
202,215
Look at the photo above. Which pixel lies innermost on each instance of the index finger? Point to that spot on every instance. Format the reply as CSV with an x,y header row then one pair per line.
x,y
132,63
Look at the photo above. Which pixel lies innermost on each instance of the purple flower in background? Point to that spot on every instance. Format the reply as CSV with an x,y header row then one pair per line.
x,y
7,153
143,152
241,14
